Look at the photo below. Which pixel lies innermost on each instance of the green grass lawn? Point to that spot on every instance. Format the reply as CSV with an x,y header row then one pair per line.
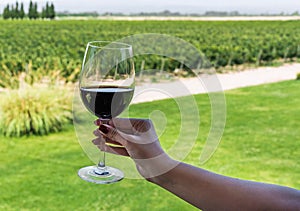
x,y
260,142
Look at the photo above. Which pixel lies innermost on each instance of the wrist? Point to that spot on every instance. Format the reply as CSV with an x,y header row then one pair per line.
x,y
157,170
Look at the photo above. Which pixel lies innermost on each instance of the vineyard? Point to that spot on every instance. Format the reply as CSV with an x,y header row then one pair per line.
x,y
56,48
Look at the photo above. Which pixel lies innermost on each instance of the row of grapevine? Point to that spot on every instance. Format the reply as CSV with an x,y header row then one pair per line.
x,y
44,46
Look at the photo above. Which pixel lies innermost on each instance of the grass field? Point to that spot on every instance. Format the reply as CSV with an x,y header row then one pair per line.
x,y
260,142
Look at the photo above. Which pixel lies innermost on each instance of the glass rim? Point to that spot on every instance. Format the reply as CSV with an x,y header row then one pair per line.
x,y
122,45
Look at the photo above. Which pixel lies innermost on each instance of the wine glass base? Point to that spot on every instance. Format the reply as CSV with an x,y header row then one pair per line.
x,y
97,175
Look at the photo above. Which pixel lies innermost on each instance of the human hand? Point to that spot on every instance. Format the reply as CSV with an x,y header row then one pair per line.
x,y
137,139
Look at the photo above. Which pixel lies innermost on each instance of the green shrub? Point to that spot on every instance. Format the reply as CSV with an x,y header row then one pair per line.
x,y
35,110
8,78
298,76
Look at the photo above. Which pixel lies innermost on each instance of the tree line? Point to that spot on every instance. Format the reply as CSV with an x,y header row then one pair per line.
x,y
17,12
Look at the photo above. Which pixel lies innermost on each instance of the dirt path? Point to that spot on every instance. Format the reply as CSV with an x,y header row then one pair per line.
x,y
187,18
217,82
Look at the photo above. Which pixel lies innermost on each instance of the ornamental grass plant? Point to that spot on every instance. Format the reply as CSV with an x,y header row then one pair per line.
x,y
35,109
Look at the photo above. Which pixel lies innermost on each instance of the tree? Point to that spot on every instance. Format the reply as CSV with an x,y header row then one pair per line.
x,y
12,12
47,10
52,11
30,11
17,12
35,11
22,13
6,13
43,14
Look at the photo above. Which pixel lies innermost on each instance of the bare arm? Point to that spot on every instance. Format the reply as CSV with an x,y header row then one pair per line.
x,y
201,188
210,191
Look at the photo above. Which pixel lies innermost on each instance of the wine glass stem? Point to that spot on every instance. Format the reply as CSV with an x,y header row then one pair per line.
x,y
101,169
101,163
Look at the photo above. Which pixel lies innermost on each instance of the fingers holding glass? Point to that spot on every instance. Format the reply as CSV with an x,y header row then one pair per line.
x,y
107,145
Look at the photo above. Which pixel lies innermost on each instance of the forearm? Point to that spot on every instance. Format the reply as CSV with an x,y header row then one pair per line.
x,y
210,191
194,185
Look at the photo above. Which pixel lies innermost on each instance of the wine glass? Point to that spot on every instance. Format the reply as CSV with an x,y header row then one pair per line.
x,y
106,86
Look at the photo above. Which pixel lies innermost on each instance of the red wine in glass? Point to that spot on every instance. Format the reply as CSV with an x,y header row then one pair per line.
x,y
106,102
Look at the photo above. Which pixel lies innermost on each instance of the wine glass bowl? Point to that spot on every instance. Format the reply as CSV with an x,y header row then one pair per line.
x,y
106,87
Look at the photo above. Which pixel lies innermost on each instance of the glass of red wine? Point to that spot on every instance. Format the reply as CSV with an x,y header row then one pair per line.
x,y
106,88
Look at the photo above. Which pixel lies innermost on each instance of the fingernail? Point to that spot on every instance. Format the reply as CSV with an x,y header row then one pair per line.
x,y
96,141
103,129
97,122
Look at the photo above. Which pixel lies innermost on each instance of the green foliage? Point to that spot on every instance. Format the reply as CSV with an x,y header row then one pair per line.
x,y
51,11
44,12
22,13
9,78
14,12
31,11
6,13
60,45
298,76
34,110
17,11
48,11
